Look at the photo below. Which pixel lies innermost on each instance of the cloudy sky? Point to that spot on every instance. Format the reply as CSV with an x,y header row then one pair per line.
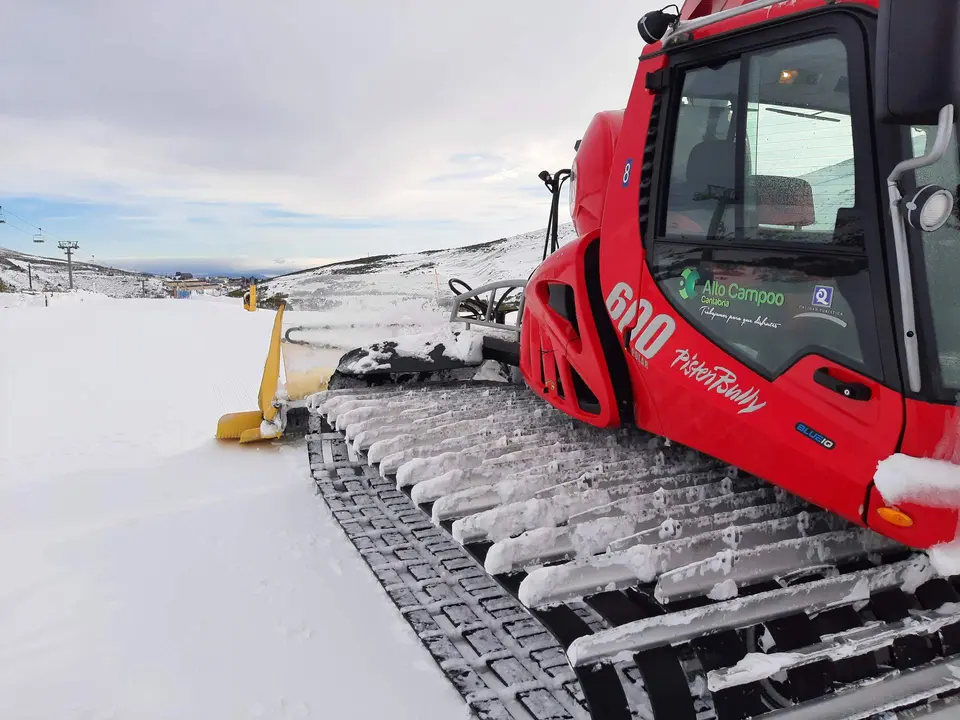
x,y
296,131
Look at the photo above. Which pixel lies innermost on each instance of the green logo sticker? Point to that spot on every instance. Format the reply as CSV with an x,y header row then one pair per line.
x,y
688,285
720,294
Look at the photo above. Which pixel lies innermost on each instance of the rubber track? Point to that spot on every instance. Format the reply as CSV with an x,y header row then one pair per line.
x,y
504,664
445,593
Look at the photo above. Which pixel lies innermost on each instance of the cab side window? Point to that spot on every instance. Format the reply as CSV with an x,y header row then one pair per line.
x,y
758,244
702,184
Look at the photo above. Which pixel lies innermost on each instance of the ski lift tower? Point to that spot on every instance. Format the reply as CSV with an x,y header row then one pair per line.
x,y
68,248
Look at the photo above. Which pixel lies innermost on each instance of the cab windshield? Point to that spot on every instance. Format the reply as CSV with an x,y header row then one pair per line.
x,y
774,135
762,160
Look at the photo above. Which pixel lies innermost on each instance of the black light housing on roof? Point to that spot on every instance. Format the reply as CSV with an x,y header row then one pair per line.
x,y
654,25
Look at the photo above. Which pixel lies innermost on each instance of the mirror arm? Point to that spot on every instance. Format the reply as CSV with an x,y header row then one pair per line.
x,y
911,344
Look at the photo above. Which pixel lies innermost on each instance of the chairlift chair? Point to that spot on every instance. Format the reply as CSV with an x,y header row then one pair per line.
x,y
2,218
38,237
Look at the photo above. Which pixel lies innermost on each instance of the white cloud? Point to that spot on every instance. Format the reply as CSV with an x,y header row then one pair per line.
x,y
353,108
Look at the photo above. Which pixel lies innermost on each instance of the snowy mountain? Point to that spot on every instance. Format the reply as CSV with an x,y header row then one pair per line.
x,y
51,275
364,300
415,274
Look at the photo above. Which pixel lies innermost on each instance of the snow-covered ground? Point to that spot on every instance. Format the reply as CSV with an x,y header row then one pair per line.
x,y
415,275
152,572
359,302
50,274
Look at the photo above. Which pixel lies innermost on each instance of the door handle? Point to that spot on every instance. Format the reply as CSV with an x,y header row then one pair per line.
x,y
852,390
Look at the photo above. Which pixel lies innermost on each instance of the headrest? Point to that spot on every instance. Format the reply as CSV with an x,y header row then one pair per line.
x,y
712,164
784,201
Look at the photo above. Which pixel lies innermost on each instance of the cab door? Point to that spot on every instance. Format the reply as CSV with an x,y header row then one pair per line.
x,y
764,249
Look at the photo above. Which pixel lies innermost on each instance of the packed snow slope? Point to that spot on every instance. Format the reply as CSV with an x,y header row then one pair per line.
x,y
361,301
415,273
152,572
51,275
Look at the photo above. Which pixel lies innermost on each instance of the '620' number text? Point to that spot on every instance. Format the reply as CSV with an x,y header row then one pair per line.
x,y
652,331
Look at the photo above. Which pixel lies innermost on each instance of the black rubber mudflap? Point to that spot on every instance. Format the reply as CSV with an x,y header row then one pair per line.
x,y
500,659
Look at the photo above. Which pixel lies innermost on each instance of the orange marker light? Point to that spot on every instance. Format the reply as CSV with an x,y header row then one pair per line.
x,y
787,77
895,517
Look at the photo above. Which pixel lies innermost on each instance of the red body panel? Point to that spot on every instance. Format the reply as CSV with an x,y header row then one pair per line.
x,y
552,348
621,249
708,400
591,168
931,431
693,9
684,386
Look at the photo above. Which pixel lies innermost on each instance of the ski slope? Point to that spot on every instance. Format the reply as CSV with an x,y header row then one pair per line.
x,y
50,274
414,274
361,301
150,572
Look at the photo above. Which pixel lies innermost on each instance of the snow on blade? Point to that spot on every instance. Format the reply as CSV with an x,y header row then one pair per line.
x,y
758,666
841,645
682,625
431,489
506,521
527,549
925,481
371,361
945,558
724,590
464,345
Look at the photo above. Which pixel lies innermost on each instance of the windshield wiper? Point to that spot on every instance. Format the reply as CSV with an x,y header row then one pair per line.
x,y
815,116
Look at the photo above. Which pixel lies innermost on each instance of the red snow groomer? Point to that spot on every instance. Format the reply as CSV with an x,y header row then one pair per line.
x,y
746,505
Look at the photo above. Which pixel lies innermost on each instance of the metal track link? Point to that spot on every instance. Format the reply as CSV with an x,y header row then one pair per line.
x,y
503,664
678,587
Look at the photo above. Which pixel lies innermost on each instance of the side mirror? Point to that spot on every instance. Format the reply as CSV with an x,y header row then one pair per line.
x,y
917,61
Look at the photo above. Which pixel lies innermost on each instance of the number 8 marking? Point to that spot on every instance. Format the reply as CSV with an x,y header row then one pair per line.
x,y
626,172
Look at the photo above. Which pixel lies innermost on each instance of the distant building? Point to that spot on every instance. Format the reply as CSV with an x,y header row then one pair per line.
x,y
182,287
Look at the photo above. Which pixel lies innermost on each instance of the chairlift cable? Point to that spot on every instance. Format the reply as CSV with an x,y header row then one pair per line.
x,y
4,212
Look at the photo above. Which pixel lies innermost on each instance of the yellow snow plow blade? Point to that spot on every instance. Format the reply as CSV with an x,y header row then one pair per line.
x,y
245,426
233,425
256,434
304,375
